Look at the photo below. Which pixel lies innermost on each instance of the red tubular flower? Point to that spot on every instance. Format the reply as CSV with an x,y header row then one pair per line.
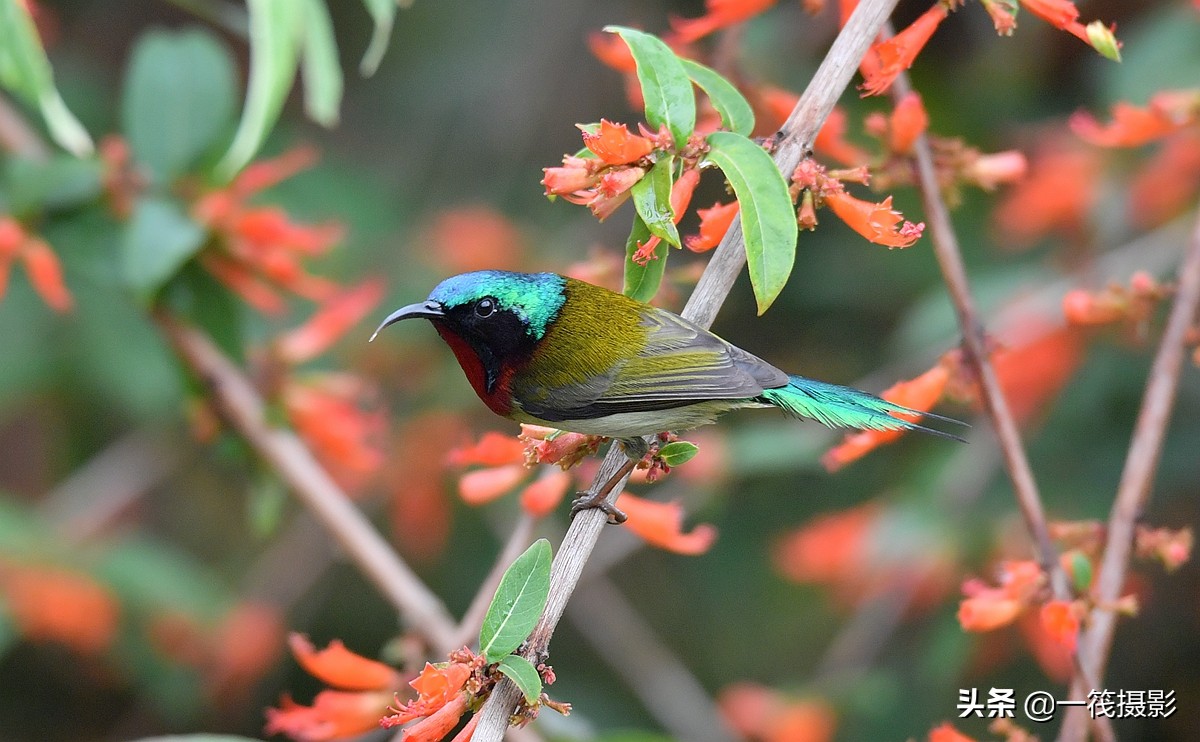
x,y
614,145
337,666
576,174
719,14
330,323
440,698
1058,13
714,223
879,223
1032,372
831,141
1055,197
921,393
550,446
661,524
907,122
989,171
329,411
41,264
545,493
492,449
1130,126
988,610
887,59
1167,184
612,51
1060,619
484,485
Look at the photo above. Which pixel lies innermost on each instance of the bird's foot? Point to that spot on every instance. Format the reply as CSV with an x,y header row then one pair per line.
x,y
598,501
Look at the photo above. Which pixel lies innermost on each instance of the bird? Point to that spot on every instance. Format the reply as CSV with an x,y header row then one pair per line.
x,y
555,351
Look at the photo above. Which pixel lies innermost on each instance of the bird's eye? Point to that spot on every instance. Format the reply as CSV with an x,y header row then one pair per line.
x,y
485,307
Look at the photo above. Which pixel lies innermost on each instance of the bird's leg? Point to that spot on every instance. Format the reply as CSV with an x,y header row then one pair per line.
x,y
635,449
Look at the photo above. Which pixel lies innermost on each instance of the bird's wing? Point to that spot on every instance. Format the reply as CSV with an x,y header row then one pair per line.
x,y
680,364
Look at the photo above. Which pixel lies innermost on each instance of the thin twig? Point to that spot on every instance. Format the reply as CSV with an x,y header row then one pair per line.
x,y
243,408
1133,491
826,86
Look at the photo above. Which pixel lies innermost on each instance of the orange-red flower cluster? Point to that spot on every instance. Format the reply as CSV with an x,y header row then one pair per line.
x,y
258,250
361,691
602,182
336,415
760,714
986,608
660,524
507,463
1064,15
41,264
878,222
443,692
1055,197
1171,547
887,59
1167,112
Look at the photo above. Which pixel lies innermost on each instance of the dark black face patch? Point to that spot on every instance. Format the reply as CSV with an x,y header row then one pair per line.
x,y
498,336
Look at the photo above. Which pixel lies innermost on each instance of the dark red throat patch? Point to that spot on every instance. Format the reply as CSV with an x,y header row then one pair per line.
x,y
498,399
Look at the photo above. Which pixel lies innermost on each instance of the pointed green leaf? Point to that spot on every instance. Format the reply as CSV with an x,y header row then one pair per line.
x,y
179,96
322,73
736,113
767,215
25,70
678,452
159,239
383,13
665,85
652,199
522,672
276,27
642,281
518,603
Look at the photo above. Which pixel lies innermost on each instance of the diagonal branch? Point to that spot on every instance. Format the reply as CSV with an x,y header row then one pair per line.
x,y
1133,491
795,141
243,408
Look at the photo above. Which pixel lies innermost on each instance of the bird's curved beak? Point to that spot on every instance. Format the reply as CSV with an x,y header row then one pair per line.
x,y
428,309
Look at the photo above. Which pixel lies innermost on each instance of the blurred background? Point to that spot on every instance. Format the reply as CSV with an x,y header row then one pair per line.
x,y
151,566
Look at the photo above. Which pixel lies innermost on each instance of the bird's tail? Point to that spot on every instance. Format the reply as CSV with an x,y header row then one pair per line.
x,y
846,407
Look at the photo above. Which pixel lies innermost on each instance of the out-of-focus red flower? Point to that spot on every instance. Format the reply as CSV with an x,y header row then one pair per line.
x,y
887,59
660,524
1033,372
1004,15
331,321
41,264
441,699
543,495
614,145
714,223
1131,126
612,51
484,485
1115,303
492,449
1060,619
1056,659
879,223
990,170
719,14
831,141
337,666
259,250
1055,197
469,238
420,507
1058,13
1166,185
987,608
53,604
1171,547
1064,15
333,413
755,712
920,394
246,644
907,122
945,732
364,690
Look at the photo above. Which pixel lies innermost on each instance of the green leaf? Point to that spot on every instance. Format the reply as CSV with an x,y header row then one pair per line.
x,y
665,85
61,182
25,70
678,452
518,603
322,72
179,98
736,113
652,199
276,27
522,672
767,215
159,239
642,281
383,13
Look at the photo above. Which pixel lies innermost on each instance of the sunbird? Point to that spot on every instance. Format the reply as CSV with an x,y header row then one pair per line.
x,y
556,351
